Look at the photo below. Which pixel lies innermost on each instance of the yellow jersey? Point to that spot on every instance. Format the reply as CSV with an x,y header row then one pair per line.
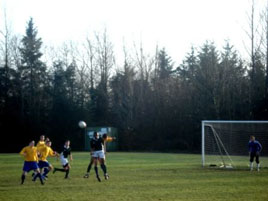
x,y
30,153
41,143
109,139
45,151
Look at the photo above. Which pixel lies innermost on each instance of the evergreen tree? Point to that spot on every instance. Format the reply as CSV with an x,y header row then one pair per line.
x,y
234,86
33,77
258,88
164,64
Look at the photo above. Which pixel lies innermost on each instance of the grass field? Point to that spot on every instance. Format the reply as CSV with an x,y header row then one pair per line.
x,y
135,176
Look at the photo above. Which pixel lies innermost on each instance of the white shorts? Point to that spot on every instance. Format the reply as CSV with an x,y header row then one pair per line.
x,y
98,154
63,160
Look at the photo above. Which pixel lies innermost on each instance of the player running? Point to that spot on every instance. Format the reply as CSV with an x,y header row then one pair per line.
x,y
64,159
45,151
254,152
30,161
106,139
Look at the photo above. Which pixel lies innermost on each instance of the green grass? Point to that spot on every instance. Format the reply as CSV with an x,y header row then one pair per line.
x,y
238,162
135,176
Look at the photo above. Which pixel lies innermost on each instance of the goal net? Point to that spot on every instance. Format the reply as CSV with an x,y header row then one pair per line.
x,y
225,143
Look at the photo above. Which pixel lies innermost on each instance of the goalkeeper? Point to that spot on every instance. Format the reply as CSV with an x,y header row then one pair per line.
x,y
254,152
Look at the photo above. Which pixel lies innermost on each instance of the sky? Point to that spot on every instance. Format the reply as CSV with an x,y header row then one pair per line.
x,y
175,25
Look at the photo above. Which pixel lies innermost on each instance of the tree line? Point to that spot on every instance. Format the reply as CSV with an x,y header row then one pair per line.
x,y
155,105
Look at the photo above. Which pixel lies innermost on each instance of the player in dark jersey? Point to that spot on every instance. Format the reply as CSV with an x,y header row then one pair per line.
x,y
254,148
64,159
106,139
97,152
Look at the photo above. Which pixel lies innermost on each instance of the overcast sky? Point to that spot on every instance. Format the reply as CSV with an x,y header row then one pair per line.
x,y
173,24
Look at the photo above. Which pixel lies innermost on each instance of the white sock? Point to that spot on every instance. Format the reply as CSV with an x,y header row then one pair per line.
x,y
251,166
258,166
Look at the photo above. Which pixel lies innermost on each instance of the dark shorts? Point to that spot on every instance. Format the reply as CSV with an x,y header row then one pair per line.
x,y
30,165
43,164
255,155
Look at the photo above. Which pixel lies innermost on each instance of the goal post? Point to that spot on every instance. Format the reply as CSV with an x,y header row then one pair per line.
x,y
225,143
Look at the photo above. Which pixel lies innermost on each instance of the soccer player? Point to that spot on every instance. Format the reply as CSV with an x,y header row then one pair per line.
x,y
64,159
254,152
30,161
45,151
106,138
97,150
41,142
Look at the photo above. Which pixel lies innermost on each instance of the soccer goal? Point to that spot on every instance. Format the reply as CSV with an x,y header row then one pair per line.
x,y
225,143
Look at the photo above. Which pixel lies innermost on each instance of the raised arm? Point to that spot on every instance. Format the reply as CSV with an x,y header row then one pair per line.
x,y
22,152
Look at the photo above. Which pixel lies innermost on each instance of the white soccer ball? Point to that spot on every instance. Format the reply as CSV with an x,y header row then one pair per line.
x,y
82,124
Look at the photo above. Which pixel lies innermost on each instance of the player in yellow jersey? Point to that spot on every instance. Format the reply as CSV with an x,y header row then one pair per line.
x,y
44,152
40,144
30,154
41,141
106,139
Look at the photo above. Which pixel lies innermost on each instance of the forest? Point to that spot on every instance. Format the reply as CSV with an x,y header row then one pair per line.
x,y
155,104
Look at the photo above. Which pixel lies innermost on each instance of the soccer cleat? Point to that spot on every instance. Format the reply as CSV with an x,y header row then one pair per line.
x,y
86,175
106,176
98,178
